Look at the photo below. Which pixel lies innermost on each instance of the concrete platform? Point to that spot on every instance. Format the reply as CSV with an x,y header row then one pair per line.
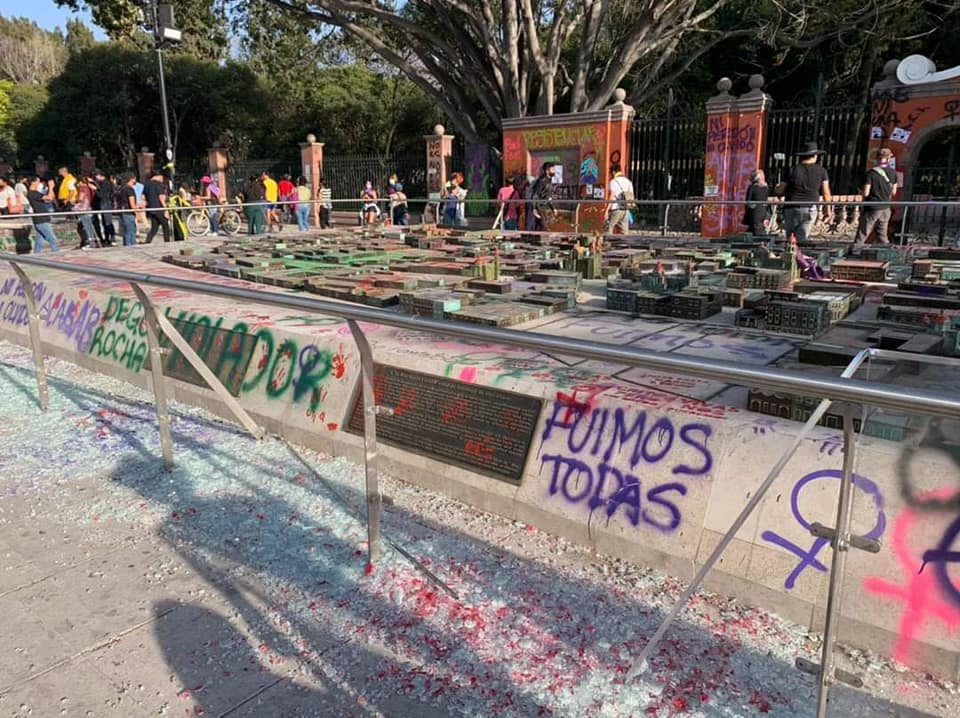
x,y
235,586
636,465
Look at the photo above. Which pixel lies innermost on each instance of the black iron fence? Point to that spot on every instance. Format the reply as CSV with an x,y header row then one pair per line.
x,y
346,175
666,156
667,153
239,172
841,132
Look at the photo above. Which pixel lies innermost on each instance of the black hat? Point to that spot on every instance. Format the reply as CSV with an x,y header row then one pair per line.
x,y
809,149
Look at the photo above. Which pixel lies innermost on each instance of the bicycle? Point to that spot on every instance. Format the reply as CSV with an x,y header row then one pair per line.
x,y
198,221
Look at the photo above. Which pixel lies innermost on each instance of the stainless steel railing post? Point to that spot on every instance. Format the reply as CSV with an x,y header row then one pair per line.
x,y
33,320
159,387
841,546
370,411
641,660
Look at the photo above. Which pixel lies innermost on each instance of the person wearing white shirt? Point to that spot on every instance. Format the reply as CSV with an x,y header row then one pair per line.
x,y
620,193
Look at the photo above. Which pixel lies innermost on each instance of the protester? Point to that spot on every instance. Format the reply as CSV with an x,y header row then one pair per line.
x,y
105,197
86,191
39,194
179,202
756,212
155,196
303,197
453,206
620,194
128,201
288,198
370,209
325,195
805,185
51,184
398,202
138,188
253,196
67,192
8,198
542,193
20,189
271,193
210,196
507,198
879,186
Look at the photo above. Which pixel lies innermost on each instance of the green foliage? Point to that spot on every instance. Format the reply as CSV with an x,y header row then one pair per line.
x,y
203,22
357,110
25,104
5,87
107,102
29,54
79,37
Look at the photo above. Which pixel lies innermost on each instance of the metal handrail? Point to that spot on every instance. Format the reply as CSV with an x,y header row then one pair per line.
x,y
882,396
560,201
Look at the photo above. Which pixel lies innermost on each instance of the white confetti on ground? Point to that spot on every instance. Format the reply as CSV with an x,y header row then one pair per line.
x,y
540,628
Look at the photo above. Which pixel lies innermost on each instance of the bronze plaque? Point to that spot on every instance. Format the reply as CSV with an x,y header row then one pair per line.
x,y
226,352
486,430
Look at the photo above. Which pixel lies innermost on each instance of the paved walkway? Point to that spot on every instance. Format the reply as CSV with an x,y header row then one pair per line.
x,y
236,586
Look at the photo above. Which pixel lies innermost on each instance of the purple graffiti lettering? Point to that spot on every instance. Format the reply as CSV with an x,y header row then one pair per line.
x,y
574,468
687,437
663,430
745,350
628,496
809,558
951,110
653,497
575,481
945,556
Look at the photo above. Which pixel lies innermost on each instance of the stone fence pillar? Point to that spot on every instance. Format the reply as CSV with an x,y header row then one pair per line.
x,y
217,169
439,150
144,164
736,131
311,167
87,164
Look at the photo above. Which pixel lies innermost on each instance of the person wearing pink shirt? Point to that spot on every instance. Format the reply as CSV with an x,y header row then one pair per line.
x,y
509,207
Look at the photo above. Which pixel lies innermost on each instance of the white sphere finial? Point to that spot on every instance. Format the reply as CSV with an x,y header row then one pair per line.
x,y
619,95
439,130
311,138
724,84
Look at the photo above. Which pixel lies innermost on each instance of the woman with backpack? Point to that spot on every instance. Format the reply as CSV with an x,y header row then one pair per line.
x,y
509,206
370,211
756,211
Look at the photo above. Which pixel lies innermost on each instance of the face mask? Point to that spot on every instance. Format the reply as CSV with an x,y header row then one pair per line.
x,y
369,186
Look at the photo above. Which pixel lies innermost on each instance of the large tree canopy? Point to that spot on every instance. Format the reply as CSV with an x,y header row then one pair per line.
x,y
512,57
203,22
29,55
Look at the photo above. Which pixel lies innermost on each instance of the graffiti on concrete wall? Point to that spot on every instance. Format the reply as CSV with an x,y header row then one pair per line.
x,y
924,596
810,557
72,317
600,458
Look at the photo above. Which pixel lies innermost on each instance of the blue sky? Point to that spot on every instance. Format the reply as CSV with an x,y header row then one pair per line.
x,y
45,13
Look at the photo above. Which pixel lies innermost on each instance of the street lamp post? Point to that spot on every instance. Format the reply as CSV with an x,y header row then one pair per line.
x,y
164,33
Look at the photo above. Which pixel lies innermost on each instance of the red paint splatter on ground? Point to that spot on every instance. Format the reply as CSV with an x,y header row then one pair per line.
x,y
332,426
368,569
